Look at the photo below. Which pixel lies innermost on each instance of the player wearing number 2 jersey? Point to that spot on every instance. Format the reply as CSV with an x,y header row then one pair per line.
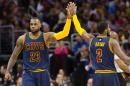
x,y
101,54
102,49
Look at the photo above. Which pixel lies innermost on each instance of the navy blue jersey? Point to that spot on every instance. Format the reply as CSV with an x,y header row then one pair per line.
x,y
35,53
101,55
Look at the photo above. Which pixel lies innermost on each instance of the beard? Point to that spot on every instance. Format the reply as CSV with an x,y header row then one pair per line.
x,y
36,31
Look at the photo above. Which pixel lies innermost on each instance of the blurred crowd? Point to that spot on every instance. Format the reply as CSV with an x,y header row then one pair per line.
x,y
69,62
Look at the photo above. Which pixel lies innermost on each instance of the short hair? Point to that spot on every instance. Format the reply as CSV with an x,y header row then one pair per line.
x,y
35,18
102,26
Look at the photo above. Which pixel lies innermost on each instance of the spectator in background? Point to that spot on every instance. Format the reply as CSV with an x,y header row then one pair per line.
x,y
2,72
61,49
58,59
19,70
81,75
61,79
60,22
112,7
46,27
126,46
19,81
79,44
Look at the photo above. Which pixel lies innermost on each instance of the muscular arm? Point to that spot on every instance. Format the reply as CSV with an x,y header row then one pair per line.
x,y
114,35
122,65
117,50
80,30
18,48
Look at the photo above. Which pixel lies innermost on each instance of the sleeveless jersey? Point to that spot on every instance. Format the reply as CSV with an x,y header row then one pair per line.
x,y
101,55
35,53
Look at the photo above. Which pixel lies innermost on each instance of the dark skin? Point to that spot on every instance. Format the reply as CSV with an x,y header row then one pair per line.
x,y
113,43
35,26
120,63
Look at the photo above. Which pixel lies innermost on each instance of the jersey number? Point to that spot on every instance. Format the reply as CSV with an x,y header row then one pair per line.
x,y
34,56
99,55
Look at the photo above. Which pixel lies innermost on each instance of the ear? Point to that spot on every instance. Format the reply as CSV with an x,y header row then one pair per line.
x,y
40,25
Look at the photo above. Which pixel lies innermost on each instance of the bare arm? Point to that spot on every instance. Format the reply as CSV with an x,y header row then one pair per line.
x,y
117,50
18,48
114,35
122,65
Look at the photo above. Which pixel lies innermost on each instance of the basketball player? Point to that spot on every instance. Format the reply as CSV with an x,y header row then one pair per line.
x,y
35,45
102,49
121,67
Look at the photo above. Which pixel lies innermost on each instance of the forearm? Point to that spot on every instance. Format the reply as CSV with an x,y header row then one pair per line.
x,y
124,58
65,32
13,58
11,63
127,61
77,25
123,66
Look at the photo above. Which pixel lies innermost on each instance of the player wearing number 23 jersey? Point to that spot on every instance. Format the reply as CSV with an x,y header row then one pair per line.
x,y
34,45
35,53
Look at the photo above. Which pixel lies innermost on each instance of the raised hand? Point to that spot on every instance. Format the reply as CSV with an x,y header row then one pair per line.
x,y
71,8
68,13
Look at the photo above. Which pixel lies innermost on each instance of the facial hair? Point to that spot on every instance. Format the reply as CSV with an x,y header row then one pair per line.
x,y
35,32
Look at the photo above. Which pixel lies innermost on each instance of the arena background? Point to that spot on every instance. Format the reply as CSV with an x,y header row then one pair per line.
x,y
67,67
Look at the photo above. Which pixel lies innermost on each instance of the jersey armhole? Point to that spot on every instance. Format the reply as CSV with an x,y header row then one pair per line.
x,y
90,43
110,47
24,37
44,38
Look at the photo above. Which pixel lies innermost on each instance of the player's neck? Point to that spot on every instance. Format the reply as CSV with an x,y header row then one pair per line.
x,y
102,35
36,33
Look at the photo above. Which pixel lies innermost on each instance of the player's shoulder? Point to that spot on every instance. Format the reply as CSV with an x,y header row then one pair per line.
x,y
113,41
21,38
114,35
47,34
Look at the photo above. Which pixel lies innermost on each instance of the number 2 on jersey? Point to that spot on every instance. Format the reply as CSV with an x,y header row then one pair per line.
x,y
99,55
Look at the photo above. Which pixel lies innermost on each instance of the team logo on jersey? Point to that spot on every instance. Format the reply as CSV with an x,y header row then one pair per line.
x,y
34,46
99,44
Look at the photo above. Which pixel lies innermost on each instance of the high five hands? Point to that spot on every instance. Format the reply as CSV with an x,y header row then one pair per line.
x,y
71,9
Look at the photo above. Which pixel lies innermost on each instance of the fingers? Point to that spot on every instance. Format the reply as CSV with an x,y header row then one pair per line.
x,y
71,8
72,4
8,77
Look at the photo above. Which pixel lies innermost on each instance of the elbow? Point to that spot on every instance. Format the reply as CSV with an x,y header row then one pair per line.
x,y
66,34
